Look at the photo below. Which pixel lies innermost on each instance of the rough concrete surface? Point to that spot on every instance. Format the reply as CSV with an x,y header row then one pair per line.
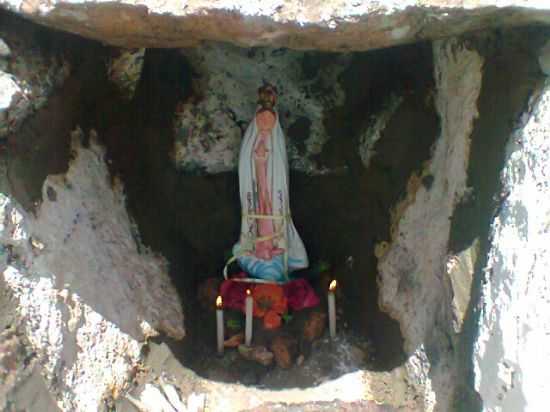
x,y
86,292
208,128
359,391
413,284
28,76
512,349
338,25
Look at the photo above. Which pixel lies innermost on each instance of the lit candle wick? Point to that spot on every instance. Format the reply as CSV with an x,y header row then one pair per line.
x,y
219,323
332,309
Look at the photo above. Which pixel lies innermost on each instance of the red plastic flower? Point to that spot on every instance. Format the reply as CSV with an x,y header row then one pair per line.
x,y
300,294
272,320
269,298
233,294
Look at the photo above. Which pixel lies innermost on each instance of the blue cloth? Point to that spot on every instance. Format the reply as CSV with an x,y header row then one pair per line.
x,y
273,269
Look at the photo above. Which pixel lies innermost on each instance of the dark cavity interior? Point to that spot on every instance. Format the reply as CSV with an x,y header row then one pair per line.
x,y
194,220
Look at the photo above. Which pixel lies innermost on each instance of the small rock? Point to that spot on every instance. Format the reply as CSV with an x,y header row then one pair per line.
x,y
196,402
125,405
258,354
234,340
124,71
36,244
284,349
9,89
314,326
357,355
151,399
172,395
4,49
51,193
8,355
208,292
30,6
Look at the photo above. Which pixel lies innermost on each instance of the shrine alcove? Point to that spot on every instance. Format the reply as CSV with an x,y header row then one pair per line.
x,y
342,210
341,195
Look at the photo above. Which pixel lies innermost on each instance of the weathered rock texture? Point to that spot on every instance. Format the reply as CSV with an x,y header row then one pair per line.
x,y
414,285
332,25
82,294
358,391
28,75
373,133
209,126
87,292
21,385
124,70
512,349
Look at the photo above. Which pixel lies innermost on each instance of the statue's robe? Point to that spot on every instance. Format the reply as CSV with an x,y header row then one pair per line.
x,y
269,247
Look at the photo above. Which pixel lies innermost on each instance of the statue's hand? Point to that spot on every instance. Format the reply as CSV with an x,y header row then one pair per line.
x,y
264,134
261,149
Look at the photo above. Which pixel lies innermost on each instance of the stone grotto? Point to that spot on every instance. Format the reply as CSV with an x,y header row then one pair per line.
x,y
418,145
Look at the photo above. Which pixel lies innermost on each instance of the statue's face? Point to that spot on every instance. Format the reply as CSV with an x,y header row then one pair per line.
x,y
267,97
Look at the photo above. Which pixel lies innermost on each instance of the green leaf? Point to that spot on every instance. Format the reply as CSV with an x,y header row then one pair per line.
x,y
323,266
233,324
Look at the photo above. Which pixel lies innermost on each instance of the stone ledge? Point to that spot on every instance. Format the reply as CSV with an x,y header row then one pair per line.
x,y
330,26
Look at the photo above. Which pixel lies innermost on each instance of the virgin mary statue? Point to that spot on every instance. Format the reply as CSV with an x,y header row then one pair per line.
x,y
269,247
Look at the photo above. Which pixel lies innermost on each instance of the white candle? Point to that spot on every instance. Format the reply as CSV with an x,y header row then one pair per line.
x,y
332,309
219,323
249,304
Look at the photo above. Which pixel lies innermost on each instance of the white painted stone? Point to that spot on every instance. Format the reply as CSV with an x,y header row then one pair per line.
x,y
88,299
4,49
153,400
460,270
512,351
27,78
414,286
8,89
172,396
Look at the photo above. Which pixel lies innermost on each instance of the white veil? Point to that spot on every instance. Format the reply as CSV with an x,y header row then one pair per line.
x,y
295,256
